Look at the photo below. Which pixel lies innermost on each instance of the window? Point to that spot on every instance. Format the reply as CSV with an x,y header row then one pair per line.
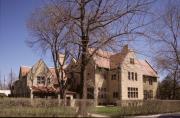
x,y
144,80
104,89
113,77
148,94
102,96
40,80
101,93
145,94
150,82
105,75
99,96
90,92
131,60
132,92
99,88
129,75
115,94
136,76
132,73
132,76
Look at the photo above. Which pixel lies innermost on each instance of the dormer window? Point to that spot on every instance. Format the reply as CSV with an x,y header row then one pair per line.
x,y
131,60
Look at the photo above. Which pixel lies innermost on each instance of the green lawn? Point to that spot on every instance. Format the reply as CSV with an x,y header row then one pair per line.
x,y
104,110
149,107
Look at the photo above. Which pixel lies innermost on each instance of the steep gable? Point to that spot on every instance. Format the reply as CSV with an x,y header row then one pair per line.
x,y
146,68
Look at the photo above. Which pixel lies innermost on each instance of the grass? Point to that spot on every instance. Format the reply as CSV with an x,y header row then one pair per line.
x,y
36,108
104,110
148,107
25,107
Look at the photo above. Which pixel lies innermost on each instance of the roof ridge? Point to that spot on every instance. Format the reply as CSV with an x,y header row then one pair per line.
x,y
151,66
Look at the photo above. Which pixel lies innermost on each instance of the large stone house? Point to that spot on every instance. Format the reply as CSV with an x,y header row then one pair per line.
x,y
111,78
116,77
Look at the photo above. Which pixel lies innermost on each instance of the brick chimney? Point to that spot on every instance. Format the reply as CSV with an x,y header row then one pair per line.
x,y
125,49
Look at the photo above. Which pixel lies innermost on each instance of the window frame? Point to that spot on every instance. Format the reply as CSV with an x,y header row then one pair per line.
x,y
136,76
132,92
132,75
129,75
131,60
41,80
113,77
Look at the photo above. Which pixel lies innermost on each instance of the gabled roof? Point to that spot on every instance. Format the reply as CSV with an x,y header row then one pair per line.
x,y
146,68
107,59
101,58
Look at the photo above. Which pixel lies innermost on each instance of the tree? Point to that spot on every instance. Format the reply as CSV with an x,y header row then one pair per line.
x,y
91,24
11,79
166,88
102,24
166,37
48,26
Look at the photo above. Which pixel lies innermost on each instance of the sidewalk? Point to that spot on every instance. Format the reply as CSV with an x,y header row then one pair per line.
x,y
165,115
97,115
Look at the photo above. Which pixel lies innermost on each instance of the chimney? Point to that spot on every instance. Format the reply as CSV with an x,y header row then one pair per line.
x,y
61,57
125,49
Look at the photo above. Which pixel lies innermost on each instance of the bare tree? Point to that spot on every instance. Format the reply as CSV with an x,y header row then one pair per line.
x,y
166,37
87,24
101,24
48,26
11,79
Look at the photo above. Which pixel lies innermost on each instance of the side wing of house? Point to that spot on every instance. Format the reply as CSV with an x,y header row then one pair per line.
x,y
150,80
39,75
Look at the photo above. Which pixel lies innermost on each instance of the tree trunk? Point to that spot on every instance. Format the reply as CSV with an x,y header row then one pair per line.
x,y
174,86
83,83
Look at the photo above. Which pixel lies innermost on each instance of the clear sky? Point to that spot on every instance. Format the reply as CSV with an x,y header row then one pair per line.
x,y
14,52
13,33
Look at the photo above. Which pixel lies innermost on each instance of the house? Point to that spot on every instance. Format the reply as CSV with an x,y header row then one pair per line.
x,y
37,81
5,92
113,78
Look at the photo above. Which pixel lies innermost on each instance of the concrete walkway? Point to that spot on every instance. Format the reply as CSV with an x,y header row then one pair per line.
x,y
165,115
97,115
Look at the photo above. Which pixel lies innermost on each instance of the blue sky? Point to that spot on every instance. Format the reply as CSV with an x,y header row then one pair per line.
x,y
14,52
13,33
